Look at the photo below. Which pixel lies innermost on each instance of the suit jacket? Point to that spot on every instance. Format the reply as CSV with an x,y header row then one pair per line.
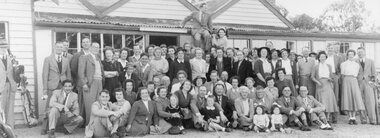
x,y
68,56
182,101
368,73
337,61
239,107
226,65
204,23
51,76
312,103
227,105
86,69
74,66
293,64
145,76
175,66
285,108
244,71
198,102
58,98
7,72
258,68
139,113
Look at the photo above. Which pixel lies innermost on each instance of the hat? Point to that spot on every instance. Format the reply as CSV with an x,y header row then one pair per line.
x,y
199,77
261,48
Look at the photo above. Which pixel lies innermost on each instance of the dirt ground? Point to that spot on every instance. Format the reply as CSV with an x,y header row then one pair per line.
x,y
342,129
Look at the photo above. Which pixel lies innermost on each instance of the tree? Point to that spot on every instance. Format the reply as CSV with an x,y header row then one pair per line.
x,y
303,22
343,16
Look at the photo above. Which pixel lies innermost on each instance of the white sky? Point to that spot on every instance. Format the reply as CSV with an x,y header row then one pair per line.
x,y
314,8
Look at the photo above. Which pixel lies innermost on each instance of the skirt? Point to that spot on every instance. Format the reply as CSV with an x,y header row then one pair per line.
x,y
305,80
351,96
325,94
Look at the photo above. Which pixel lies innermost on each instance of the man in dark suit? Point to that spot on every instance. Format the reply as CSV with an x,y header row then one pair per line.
x,y
292,109
180,64
242,68
201,27
64,108
220,63
227,105
91,74
86,44
129,73
170,57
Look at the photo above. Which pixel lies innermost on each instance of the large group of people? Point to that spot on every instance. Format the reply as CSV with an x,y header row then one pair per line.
x,y
169,89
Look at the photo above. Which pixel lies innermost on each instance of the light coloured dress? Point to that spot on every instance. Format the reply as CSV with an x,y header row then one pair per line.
x,y
351,97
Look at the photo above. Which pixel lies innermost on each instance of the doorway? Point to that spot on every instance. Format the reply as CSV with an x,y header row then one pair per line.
x,y
158,40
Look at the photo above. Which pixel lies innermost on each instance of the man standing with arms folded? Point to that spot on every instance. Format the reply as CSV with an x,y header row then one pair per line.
x,y
7,85
367,75
334,61
90,73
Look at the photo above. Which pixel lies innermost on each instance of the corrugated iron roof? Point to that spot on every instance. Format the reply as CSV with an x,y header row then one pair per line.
x,y
42,18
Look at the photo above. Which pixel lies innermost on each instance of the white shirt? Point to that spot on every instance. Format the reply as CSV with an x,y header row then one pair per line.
x,y
146,103
144,67
246,107
123,62
324,71
350,68
287,66
266,66
127,76
330,60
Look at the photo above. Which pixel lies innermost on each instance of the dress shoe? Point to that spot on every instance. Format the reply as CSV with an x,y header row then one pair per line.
x,y
354,122
228,130
350,122
51,133
43,132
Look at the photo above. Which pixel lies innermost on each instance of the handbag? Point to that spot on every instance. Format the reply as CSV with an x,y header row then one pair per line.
x,y
175,130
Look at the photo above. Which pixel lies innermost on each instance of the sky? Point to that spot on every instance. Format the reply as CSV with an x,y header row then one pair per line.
x,y
314,8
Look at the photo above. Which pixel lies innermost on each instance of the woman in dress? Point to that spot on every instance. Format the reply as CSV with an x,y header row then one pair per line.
x,y
112,69
123,57
281,82
160,66
185,98
263,67
143,115
198,65
162,101
219,40
321,75
351,97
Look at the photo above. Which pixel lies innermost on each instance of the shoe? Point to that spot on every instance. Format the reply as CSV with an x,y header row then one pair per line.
x,y
354,122
66,132
343,113
51,133
328,127
323,127
350,122
334,121
246,129
43,132
372,123
114,135
304,128
363,122
228,130
235,124
205,127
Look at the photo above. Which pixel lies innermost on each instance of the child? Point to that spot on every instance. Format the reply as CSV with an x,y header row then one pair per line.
x,y
211,115
276,117
175,111
260,120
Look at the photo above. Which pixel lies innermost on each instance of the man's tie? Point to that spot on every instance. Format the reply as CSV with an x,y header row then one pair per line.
x,y
220,100
362,63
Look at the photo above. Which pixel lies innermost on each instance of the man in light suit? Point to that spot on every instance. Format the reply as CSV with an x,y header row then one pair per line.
x,y
66,54
201,28
64,109
55,70
367,75
334,61
7,85
314,110
90,72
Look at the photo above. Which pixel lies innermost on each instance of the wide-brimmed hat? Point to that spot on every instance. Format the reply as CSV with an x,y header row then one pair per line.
x,y
199,77
261,48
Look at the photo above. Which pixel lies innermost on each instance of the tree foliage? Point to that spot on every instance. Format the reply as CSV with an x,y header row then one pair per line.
x,y
343,16
303,22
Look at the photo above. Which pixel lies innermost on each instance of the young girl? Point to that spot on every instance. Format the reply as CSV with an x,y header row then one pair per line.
x,y
249,82
261,120
270,89
173,108
211,115
276,117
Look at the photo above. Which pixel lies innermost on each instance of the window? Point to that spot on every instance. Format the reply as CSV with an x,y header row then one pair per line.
x,y
69,36
344,46
238,43
258,43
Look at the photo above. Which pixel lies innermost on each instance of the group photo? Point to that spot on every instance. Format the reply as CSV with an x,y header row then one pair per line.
x,y
189,68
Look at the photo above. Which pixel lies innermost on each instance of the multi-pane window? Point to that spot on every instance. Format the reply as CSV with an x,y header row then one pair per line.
x,y
238,43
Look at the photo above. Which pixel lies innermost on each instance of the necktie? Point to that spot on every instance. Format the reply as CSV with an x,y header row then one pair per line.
x,y
64,101
59,58
362,63
220,100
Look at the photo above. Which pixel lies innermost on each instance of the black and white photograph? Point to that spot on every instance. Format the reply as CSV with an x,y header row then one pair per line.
x,y
189,68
